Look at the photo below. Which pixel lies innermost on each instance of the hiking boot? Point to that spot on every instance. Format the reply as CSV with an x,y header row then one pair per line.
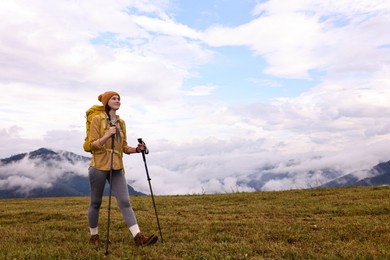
x,y
141,240
94,240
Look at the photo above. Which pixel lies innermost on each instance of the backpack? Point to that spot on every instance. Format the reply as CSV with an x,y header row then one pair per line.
x,y
91,113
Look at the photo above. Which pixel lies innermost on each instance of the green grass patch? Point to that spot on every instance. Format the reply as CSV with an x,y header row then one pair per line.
x,y
342,223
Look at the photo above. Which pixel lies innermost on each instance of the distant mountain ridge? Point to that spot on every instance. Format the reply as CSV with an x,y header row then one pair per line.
x,y
326,177
46,173
379,175
46,154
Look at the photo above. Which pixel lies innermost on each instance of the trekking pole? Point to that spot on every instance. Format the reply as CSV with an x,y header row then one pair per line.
x,y
109,195
146,151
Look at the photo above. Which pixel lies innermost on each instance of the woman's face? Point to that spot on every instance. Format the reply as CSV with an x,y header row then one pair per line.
x,y
114,102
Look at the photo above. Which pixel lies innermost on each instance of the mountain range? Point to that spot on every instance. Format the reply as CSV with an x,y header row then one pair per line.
x,y
46,173
379,175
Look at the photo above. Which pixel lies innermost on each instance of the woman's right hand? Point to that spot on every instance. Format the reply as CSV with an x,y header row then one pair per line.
x,y
111,131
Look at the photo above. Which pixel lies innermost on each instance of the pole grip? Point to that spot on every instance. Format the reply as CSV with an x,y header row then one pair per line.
x,y
146,151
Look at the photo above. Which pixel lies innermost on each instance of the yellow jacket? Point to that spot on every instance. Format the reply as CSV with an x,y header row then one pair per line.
x,y
101,154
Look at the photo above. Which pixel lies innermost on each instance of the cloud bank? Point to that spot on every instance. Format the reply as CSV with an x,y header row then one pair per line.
x,y
58,57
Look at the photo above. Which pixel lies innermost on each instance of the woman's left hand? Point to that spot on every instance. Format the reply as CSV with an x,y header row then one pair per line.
x,y
140,148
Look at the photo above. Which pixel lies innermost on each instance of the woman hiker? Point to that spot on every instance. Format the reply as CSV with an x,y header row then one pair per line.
x,y
99,170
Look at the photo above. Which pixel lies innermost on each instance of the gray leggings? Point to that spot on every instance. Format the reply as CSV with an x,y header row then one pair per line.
x,y
97,181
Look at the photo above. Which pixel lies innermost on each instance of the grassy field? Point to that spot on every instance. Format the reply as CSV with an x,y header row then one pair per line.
x,y
342,223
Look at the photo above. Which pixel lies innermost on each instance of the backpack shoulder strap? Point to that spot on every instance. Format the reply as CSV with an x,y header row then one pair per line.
x,y
121,123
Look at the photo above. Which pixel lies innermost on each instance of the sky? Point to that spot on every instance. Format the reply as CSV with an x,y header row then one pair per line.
x,y
218,89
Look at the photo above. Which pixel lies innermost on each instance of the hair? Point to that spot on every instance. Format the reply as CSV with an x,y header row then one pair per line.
x,y
107,108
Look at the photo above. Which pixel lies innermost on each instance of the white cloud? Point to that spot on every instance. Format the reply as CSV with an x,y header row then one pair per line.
x,y
58,57
200,90
26,175
165,27
298,37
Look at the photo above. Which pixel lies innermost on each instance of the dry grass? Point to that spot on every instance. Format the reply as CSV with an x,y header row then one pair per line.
x,y
345,223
